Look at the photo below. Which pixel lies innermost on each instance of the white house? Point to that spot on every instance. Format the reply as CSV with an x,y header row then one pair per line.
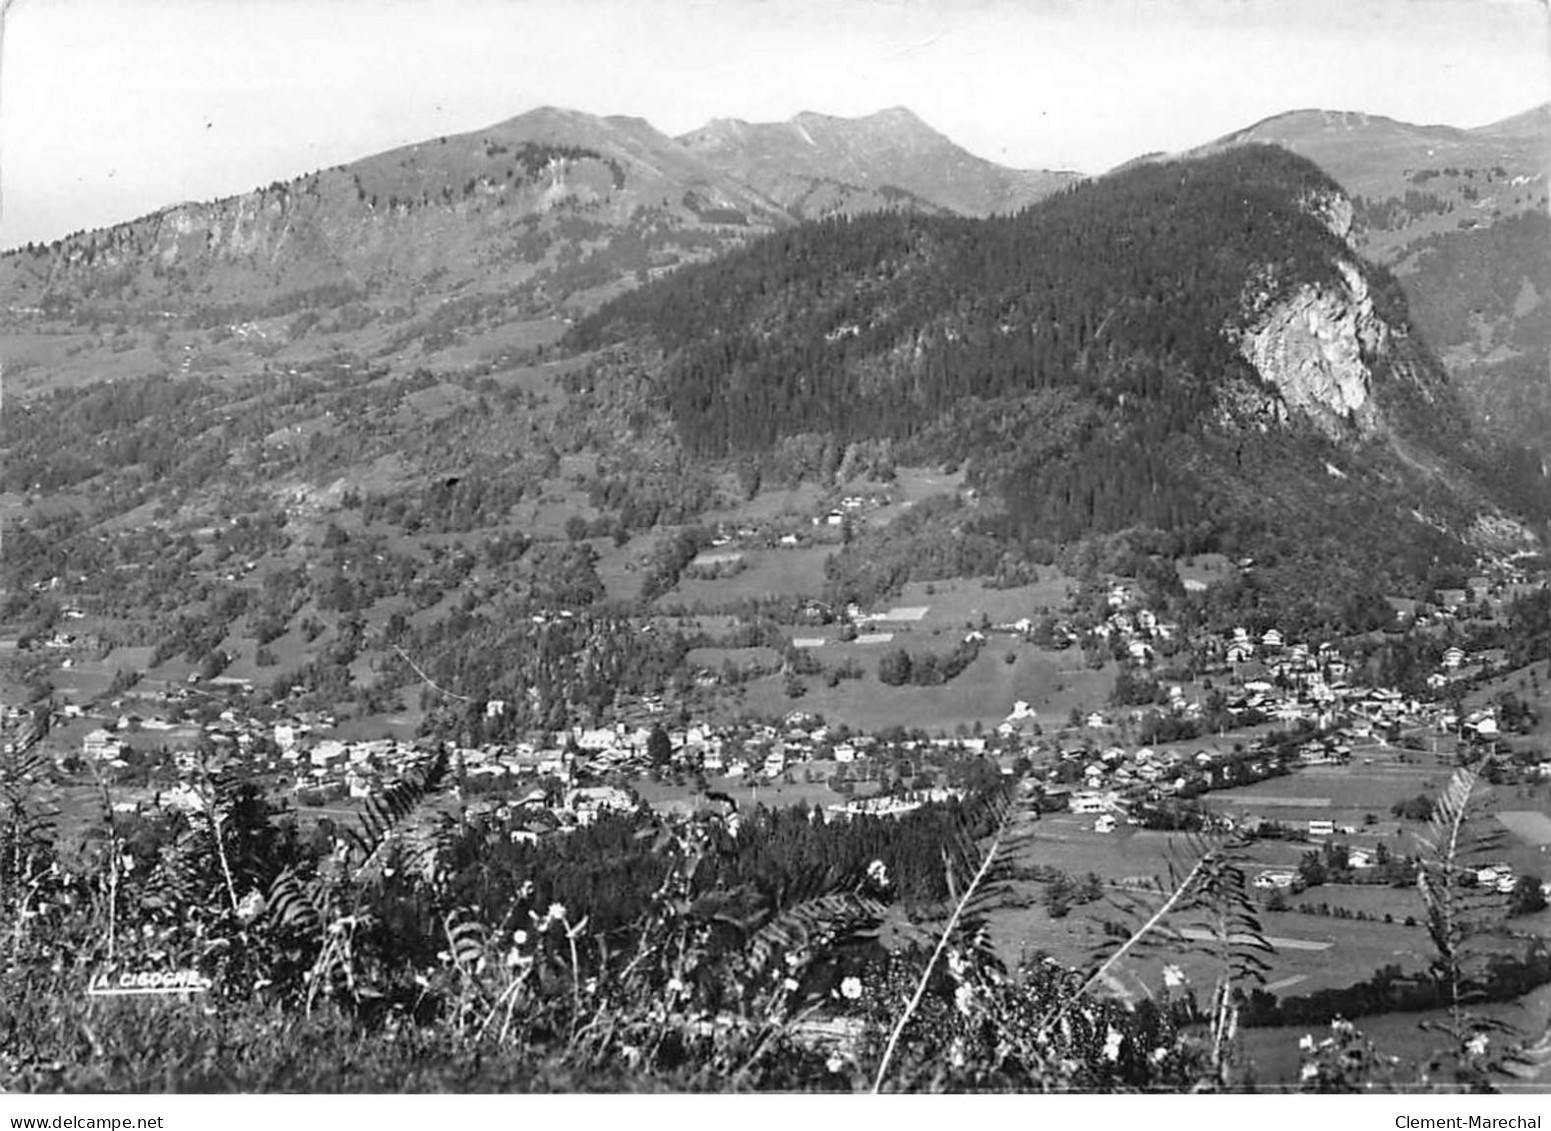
x,y
100,745
1091,801
326,752
1274,880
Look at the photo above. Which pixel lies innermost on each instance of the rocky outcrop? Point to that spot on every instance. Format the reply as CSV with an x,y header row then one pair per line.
x,y
1313,347
1334,210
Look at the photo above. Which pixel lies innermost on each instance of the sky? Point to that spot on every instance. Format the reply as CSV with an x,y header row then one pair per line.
x,y
110,109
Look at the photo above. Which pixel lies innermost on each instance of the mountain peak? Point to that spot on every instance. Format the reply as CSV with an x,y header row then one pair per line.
x,y
1372,155
893,119
1311,122
880,159
899,116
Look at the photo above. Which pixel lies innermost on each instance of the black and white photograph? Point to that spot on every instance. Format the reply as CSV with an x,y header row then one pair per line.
x,y
775,547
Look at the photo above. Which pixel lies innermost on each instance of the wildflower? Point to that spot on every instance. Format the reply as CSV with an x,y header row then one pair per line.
x,y
675,986
556,912
519,937
1307,1043
1159,1054
956,964
835,1062
1173,977
1112,1043
878,873
789,985
1476,1046
851,988
1308,1072
251,907
964,998
956,1051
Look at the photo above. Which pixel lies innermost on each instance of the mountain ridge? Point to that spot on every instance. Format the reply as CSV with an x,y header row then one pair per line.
x,y
541,207
891,148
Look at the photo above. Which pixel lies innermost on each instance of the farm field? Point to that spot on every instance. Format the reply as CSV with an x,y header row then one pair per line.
x,y
1533,828
800,501
618,568
1343,794
747,793
497,345
783,572
985,692
957,603
1203,570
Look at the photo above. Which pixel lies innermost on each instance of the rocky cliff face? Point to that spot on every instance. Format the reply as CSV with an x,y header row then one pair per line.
x,y
1313,346
1317,344
1335,210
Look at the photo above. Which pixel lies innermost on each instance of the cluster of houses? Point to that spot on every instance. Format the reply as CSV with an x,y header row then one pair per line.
x,y
1137,630
850,506
1110,781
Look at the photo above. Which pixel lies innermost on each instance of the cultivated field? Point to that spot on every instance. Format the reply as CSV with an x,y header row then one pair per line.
x,y
1532,827
984,692
783,572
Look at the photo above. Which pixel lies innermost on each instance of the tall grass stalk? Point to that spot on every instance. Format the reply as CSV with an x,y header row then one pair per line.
x,y
1177,896
942,945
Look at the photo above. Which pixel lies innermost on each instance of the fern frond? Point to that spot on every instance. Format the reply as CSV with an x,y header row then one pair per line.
x,y
1442,840
812,924
467,938
1456,912
295,904
383,813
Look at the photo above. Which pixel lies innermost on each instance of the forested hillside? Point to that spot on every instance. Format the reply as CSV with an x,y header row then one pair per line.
x,y
1087,361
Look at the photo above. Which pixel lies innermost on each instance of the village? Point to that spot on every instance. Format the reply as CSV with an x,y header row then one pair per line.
x,y
1269,707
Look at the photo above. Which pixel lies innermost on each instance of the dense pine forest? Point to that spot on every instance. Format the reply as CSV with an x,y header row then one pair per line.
x,y
879,325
